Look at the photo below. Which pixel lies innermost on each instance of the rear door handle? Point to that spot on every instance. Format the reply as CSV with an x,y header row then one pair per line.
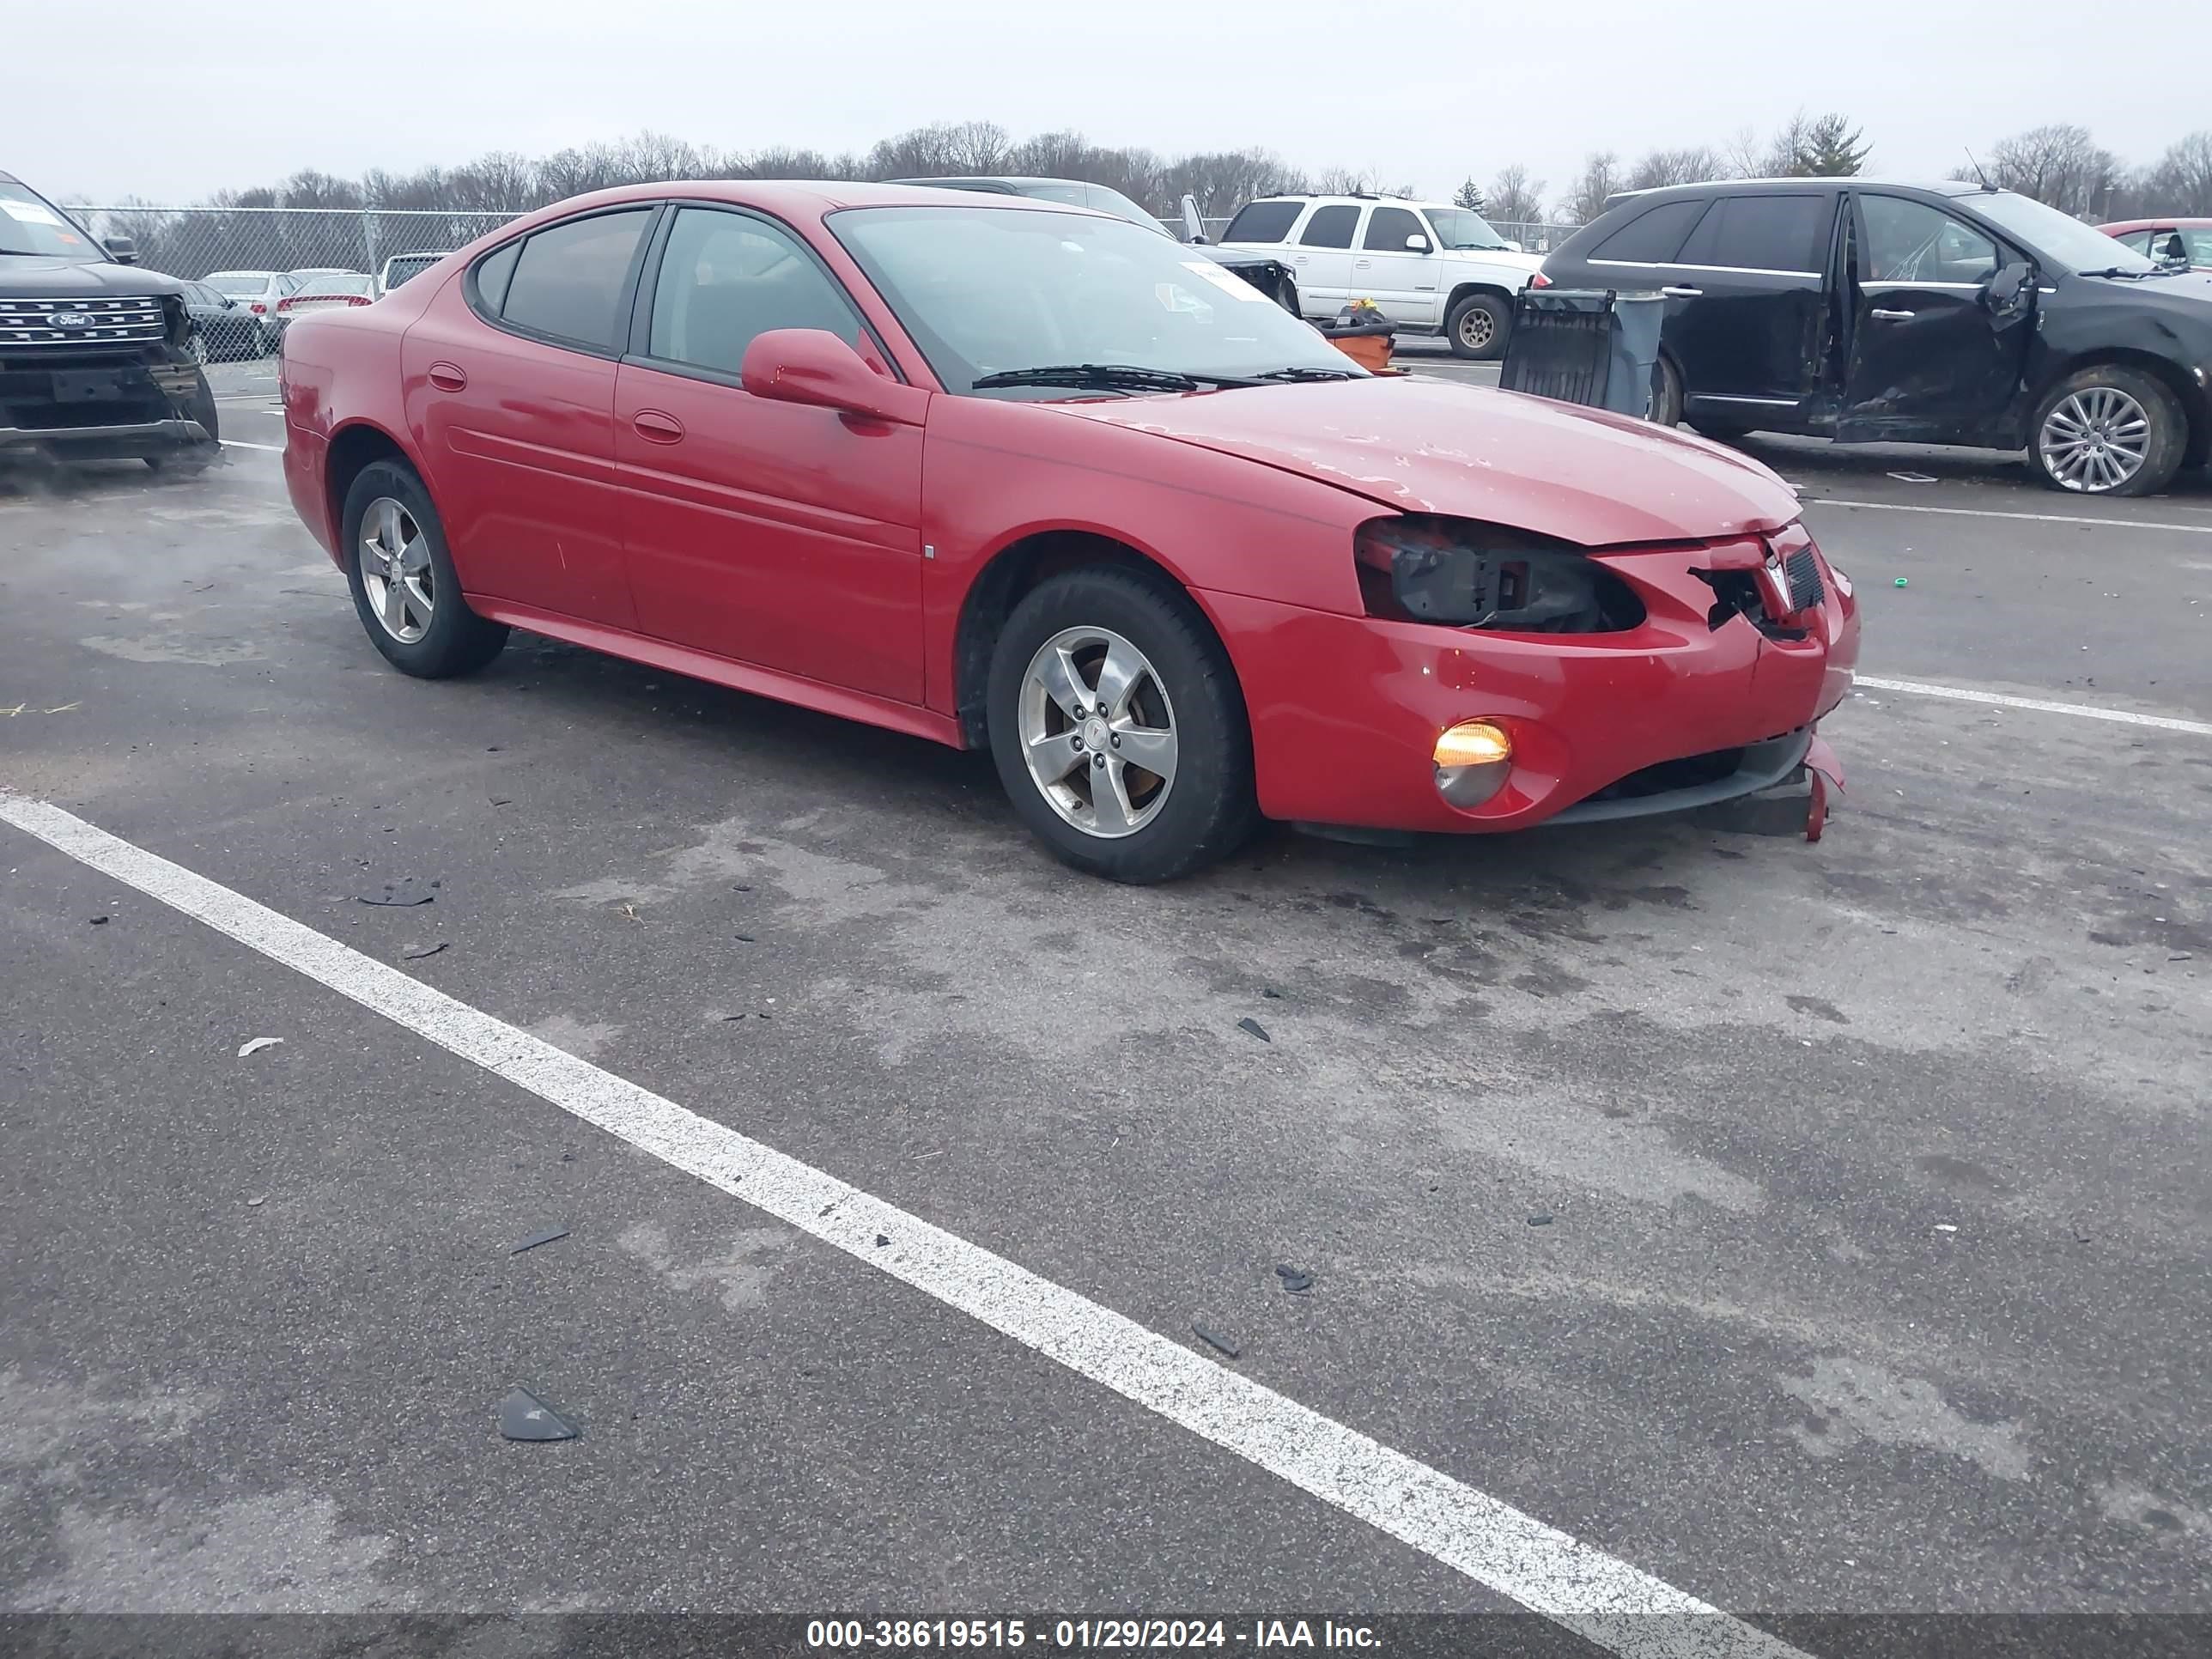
x,y
1683,292
1881,316
1362,264
656,428
447,377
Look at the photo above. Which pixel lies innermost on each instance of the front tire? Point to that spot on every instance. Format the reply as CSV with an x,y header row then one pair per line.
x,y
195,457
1118,728
403,585
2107,430
1479,327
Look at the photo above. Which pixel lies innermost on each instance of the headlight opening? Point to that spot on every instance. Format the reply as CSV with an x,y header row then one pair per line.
x,y
1459,573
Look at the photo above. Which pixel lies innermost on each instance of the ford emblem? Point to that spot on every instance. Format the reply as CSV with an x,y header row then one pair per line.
x,y
71,319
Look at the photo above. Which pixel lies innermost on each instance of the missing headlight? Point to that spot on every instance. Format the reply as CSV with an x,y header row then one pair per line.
x,y
1463,574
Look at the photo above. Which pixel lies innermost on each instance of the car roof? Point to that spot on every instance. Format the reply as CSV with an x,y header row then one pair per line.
x,y
794,198
1350,201
1778,186
2171,222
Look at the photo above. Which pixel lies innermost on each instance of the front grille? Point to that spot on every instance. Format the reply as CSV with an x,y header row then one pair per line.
x,y
1803,571
61,324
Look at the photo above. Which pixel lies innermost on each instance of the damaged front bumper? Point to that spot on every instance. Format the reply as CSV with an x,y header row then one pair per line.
x,y
97,409
1797,767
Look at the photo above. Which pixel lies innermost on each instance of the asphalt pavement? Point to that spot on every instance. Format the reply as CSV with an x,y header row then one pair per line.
x,y
1805,1229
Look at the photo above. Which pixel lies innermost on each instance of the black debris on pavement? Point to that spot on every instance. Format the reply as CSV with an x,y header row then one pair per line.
x,y
417,956
1212,1341
99,921
535,1239
524,1416
1254,1028
401,893
1271,993
1296,1281
1541,1218
742,938
882,1239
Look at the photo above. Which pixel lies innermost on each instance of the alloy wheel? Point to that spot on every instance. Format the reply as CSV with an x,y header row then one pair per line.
x,y
395,570
1476,328
2094,439
1098,731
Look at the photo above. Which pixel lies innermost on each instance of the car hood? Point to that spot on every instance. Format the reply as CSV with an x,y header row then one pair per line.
x,y
27,277
1530,262
1422,446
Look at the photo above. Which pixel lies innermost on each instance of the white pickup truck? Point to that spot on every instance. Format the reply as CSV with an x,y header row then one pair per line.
x,y
1433,268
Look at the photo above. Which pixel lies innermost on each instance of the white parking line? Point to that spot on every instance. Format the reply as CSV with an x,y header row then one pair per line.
x,y
1602,1598
1990,512
2039,705
238,443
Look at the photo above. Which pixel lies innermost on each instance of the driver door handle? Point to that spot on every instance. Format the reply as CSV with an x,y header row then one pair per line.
x,y
1881,316
1683,292
655,427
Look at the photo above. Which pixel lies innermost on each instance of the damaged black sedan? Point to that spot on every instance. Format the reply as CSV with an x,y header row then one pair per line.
x,y
96,355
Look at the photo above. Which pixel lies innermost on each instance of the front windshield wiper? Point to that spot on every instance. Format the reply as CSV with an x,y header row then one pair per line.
x,y
1131,377
1308,372
2115,270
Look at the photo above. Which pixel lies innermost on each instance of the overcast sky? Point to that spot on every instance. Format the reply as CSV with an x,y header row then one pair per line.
x,y
167,102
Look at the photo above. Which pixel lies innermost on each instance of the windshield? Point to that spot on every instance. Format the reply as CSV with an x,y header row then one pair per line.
x,y
1458,227
241,284
986,290
1101,198
2065,242
30,225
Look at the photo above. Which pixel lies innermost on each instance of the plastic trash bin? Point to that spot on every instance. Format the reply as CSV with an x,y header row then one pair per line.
x,y
1594,346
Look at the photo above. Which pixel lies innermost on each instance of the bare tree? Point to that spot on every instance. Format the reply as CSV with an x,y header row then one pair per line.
x,y
1514,198
1676,166
2180,181
2059,164
1601,178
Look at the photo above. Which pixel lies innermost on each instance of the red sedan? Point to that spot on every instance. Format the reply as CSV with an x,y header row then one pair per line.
x,y
996,471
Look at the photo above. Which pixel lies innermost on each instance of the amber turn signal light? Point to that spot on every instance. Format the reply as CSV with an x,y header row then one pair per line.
x,y
1473,759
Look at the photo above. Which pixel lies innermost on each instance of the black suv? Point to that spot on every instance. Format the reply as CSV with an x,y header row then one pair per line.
x,y
95,360
1914,314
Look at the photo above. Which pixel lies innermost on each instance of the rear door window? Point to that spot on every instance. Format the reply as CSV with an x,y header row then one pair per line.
x,y
569,279
1330,227
1655,237
1781,233
1263,221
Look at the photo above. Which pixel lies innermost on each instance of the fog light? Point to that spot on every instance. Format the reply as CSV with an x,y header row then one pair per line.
x,y
1472,759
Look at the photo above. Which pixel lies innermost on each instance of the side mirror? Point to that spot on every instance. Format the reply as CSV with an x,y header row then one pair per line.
x,y
812,366
1416,244
122,250
1515,246
2002,292
1194,227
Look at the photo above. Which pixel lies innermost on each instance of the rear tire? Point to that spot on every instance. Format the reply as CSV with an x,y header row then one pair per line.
x,y
1721,432
2107,430
1666,395
1137,644
451,639
1480,326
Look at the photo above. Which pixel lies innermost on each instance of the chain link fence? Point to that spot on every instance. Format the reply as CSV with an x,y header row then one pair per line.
x,y
194,242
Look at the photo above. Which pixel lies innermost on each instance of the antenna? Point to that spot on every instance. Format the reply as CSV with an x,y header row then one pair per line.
x,y
1976,167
